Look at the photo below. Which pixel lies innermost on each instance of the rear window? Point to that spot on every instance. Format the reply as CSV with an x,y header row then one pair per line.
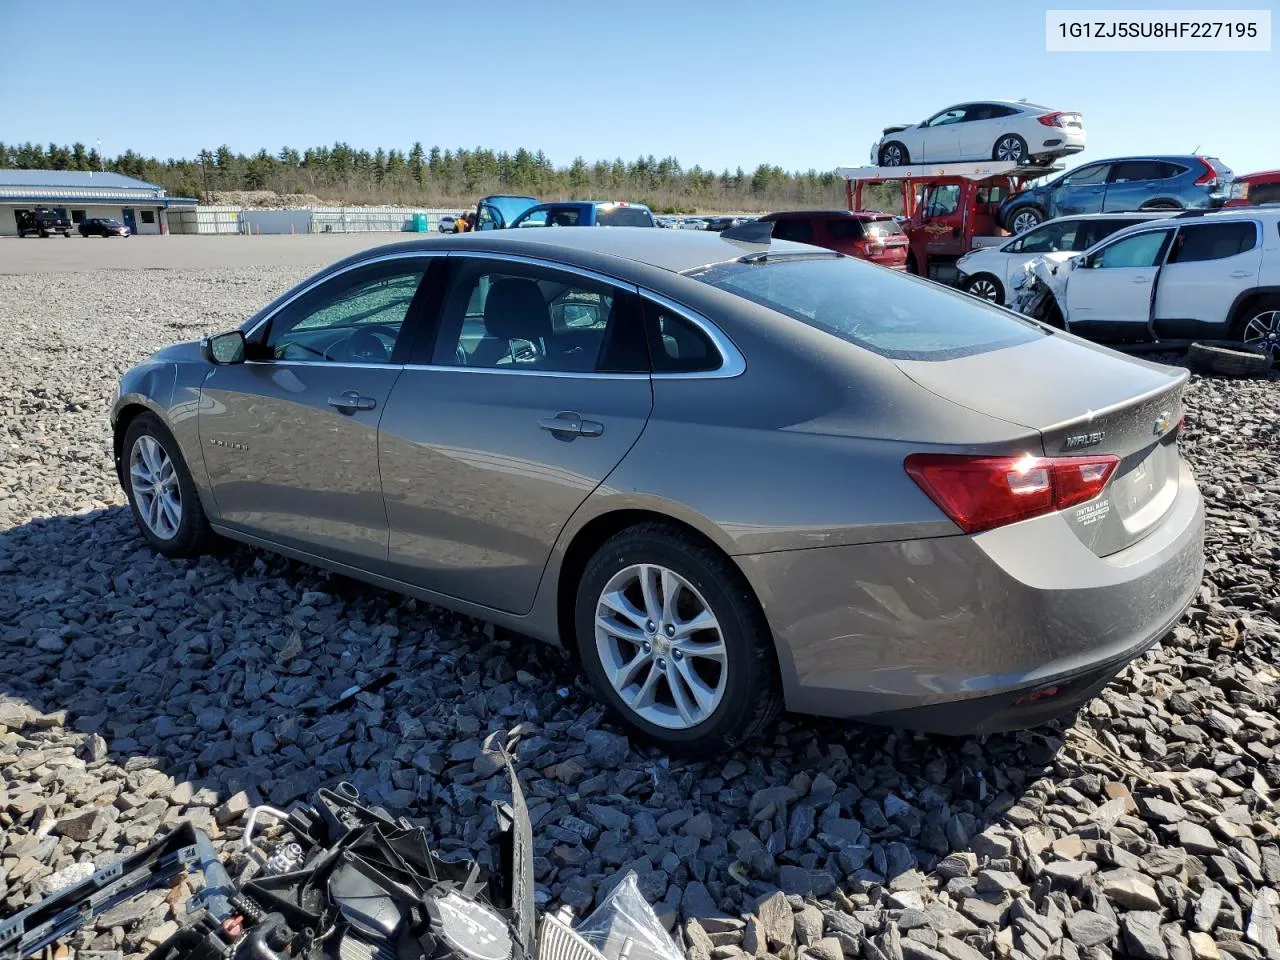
x,y
623,217
893,316
888,227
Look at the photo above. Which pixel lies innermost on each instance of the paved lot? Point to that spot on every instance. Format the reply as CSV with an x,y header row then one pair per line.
x,y
59,255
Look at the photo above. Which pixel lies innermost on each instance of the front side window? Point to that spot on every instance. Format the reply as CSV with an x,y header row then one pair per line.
x,y
943,200
875,309
1139,250
1087,175
354,317
1213,241
517,318
954,115
534,218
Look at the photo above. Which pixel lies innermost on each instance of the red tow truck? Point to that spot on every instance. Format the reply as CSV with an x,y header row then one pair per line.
x,y
949,208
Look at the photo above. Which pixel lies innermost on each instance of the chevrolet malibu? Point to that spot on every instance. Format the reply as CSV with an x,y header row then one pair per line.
x,y
728,474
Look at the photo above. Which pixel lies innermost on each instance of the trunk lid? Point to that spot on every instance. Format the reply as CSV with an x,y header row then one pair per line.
x,y
1083,400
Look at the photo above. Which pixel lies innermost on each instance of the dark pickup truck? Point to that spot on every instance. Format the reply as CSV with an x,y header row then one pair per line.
x,y
42,221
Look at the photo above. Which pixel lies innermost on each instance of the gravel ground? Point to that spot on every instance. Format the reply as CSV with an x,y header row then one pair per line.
x,y
140,691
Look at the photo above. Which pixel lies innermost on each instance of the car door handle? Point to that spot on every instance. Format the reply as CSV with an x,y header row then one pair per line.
x,y
1241,274
352,401
567,425
1139,279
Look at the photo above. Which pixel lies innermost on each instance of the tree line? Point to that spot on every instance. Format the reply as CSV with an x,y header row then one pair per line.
x,y
449,177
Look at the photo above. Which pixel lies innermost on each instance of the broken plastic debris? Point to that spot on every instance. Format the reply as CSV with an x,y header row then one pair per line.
x,y
624,925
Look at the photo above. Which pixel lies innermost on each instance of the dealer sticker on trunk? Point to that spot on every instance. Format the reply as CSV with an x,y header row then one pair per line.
x,y
1093,512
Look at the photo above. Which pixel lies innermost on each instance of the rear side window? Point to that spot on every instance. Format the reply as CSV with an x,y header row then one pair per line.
x,y
846,228
1213,241
1131,170
800,231
859,303
623,217
675,344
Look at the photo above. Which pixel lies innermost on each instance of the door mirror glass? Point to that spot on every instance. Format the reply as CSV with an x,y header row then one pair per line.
x,y
224,348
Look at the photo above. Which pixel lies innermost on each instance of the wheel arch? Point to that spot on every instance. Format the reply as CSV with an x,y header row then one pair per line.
x,y
127,410
1246,301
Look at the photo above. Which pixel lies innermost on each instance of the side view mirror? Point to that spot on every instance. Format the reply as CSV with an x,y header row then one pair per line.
x,y
223,348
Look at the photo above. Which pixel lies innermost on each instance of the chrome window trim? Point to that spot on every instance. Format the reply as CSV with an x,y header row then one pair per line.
x,y
326,364
732,362
561,374
406,255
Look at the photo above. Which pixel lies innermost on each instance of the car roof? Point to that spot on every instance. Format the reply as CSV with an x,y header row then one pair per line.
x,y
1115,215
1260,175
802,214
1233,213
674,251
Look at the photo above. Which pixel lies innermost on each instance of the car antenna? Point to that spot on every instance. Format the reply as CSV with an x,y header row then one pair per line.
x,y
756,231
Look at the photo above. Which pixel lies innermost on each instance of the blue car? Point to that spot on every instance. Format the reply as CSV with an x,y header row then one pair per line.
x,y
587,213
1123,184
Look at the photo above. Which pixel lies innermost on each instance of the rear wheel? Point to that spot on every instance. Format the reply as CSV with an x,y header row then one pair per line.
x,y
1259,328
1024,219
1010,148
985,286
674,641
161,492
894,154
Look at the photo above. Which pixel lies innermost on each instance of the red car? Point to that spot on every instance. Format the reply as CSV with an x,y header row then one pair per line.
x,y
864,234
1255,188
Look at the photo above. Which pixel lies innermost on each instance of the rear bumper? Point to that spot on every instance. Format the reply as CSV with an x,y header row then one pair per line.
x,y
948,634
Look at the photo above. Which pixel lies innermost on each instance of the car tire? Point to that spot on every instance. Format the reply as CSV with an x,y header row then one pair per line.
x,y
1024,219
1258,328
44,234
1011,148
894,154
985,286
1228,361
740,685
190,534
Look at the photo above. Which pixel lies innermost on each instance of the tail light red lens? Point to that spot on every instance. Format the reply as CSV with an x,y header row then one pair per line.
x,y
979,493
1051,119
1210,176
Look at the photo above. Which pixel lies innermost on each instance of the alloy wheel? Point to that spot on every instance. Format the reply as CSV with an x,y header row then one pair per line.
x,y
155,487
892,156
984,289
661,646
1264,331
1024,221
1010,150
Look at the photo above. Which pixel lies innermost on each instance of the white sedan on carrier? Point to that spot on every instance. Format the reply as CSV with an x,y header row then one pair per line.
x,y
1013,131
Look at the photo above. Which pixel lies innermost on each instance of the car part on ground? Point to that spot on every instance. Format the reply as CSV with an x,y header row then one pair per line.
x,y
1229,360
340,879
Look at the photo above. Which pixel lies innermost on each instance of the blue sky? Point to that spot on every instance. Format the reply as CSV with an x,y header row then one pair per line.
x,y
721,84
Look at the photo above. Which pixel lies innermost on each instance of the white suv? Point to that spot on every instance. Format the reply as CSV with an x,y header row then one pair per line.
x,y
1193,276
990,272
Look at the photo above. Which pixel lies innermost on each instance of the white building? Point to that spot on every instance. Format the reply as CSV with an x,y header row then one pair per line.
x,y
142,207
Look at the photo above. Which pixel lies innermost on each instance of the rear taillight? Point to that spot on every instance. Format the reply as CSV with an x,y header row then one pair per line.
x,y
1210,176
1051,119
979,493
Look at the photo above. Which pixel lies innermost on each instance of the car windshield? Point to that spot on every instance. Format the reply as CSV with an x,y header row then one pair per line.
x,y
893,316
623,217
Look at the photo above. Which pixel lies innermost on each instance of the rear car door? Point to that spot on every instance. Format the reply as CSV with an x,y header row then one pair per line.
x,y
1209,265
1114,286
535,388
982,126
1080,191
290,436
1134,183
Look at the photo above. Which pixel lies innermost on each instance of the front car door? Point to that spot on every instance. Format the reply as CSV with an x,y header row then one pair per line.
x,y
1134,183
290,436
942,219
1081,191
536,387
1051,237
1109,292
1209,265
940,137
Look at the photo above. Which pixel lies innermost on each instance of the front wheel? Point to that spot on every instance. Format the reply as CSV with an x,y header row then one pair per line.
x,y
984,286
1010,148
894,154
674,642
1024,219
161,493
